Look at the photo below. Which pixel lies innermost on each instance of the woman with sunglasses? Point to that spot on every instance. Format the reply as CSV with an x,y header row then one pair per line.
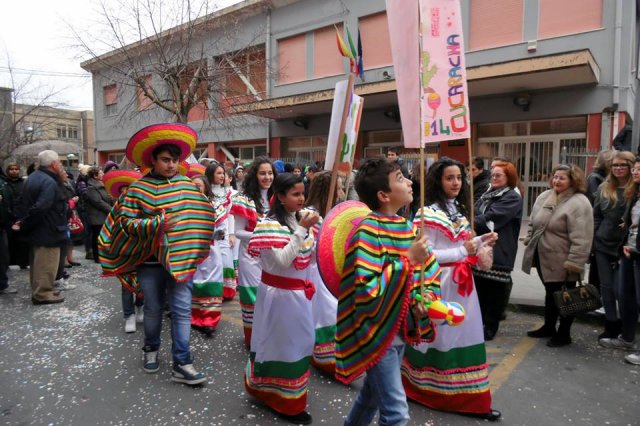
x,y
609,233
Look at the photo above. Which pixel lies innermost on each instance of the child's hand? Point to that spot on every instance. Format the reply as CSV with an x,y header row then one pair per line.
x,y
418,252
471,246
420,310
490,238
309,219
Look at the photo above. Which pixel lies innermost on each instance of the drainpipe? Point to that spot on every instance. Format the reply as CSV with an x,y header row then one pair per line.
x,y
605,130
616,65
267,65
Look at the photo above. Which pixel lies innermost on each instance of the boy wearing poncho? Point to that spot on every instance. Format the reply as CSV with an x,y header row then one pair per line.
x,y
161,232
377,308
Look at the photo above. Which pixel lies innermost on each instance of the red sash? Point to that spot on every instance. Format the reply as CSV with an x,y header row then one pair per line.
x,y
286,283
463,274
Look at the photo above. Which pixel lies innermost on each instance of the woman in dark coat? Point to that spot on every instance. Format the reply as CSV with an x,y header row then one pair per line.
x,y
98,205
499,210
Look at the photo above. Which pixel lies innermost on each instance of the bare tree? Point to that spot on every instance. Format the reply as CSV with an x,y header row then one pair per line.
x,y
26,111
183,57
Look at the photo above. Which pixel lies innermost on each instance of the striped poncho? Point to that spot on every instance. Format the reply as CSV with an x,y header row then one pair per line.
x,y
378,286
270,234
133,231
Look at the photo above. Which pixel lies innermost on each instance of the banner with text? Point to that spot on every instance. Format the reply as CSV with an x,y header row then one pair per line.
x,y
444,96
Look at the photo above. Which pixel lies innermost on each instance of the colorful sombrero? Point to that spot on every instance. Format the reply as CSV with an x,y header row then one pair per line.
x,y
195,169
142,144
117,179
336,232
183,168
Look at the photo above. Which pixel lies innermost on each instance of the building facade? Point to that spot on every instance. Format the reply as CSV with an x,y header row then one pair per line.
x,y
548,81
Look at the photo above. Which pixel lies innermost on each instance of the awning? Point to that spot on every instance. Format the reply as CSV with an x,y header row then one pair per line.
x,y
522,75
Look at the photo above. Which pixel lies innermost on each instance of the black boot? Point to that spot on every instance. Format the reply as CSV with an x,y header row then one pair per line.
x,y
609,330
544,331
563,336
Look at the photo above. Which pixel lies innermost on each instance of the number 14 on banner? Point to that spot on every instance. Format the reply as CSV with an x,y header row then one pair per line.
x,y
436,127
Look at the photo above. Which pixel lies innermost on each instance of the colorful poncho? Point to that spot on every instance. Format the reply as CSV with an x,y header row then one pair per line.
x,y
245,207
378,286
269,234
133,231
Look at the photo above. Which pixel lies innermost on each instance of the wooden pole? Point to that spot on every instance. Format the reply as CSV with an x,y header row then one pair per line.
x,y
422,179
471,203
343,124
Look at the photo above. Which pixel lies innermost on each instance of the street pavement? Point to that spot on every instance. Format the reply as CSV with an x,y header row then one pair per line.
x,y
72,364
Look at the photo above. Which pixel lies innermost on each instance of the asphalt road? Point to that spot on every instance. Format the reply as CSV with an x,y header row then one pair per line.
x,y
72,364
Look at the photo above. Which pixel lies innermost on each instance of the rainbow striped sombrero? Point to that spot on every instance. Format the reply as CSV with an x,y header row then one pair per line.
x,y
117,179
195,169
142,144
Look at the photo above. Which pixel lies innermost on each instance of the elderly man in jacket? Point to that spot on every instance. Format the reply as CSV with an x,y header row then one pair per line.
x,y
44,226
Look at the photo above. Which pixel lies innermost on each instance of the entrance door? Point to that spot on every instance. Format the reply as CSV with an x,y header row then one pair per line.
x,y
534,158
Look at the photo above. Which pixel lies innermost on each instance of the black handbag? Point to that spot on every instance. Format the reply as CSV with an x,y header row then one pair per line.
x,y
573,301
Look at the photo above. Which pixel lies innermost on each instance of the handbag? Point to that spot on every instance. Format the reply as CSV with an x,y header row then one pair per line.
x,y
75,224
583,298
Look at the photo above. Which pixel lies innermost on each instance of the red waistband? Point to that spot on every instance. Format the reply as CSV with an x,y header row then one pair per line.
x,y
287,283
463,274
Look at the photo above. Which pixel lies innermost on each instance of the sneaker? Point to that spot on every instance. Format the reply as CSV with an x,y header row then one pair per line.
x,y
62,285
633,358
8,290
151,363
130,324
186,374
618,343
139,314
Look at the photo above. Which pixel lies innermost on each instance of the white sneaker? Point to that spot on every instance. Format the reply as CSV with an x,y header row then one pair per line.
x,y
62,285
139,314
633,358
130,324
618,343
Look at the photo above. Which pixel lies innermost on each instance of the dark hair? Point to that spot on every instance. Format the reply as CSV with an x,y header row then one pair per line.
x,y
281,185
319,191
288,167
479,163
434,193
211,170
393,149
251,186
372,177
207,185
173,151
313,169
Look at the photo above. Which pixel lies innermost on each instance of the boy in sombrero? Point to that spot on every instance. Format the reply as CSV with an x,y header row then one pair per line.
x,y
378,308
161,231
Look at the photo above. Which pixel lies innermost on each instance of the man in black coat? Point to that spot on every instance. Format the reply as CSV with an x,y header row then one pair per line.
x,y
44,226
481,178
5,214
18,249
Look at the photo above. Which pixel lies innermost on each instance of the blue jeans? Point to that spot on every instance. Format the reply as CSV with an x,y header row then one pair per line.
x,y
607,269
157,283
629,292
128,304
382,390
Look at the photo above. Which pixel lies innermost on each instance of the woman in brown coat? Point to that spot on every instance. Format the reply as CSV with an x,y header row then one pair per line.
x,y
558,244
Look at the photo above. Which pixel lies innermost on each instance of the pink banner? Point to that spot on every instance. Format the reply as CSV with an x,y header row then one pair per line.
x,y
402,16
443,81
